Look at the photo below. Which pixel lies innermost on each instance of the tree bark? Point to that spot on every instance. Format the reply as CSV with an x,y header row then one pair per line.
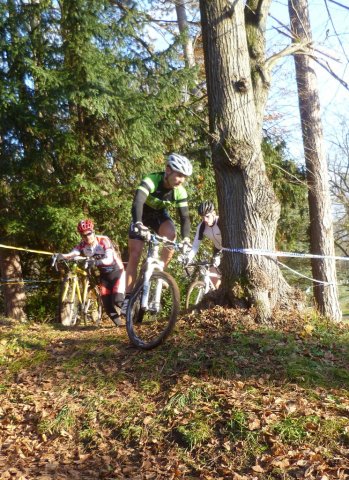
x,y
14,294
248,207
321,224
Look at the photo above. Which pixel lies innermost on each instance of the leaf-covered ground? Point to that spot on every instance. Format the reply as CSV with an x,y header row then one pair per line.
x,y
223,398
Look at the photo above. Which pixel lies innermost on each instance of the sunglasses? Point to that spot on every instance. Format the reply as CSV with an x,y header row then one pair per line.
x,y
85,235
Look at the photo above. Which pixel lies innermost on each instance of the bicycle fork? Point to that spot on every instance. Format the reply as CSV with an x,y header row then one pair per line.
x,y
86,301
74,290
151,266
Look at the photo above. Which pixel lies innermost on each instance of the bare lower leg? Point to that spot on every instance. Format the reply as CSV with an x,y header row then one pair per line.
x,y
167,229
166,255
135,252
215,280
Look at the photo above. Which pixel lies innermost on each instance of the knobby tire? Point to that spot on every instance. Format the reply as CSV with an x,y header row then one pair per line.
x,y
145,329
195,293
93,314
69,306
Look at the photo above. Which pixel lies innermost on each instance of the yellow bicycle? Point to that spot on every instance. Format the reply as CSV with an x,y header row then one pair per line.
x,y
79,299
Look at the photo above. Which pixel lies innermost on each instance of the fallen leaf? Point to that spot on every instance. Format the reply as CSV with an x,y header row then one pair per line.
x,y
257,468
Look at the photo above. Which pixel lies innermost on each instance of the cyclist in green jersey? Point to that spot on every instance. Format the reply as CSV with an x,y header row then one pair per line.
x,y
156,192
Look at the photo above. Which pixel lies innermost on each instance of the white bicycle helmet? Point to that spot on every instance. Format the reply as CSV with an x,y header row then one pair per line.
x,y
180,164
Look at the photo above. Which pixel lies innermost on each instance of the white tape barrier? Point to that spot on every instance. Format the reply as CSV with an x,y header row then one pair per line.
x,y
268,253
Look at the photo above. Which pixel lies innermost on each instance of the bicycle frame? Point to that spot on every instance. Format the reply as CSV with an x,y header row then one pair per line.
x,y
76,285
73,275
154,263
205,274
155,300
207,277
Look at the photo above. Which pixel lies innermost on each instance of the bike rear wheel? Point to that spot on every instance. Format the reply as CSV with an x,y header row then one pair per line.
x,y
68,303
148,328
195,293
93,307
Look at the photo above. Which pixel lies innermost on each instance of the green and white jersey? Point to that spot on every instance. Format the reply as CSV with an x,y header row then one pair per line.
x,y
159,197
152,200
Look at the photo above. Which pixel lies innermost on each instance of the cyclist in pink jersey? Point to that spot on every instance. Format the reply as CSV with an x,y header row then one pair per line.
x,y
103,255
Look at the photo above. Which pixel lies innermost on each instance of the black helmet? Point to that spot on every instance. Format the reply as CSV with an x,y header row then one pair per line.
x,y
205,208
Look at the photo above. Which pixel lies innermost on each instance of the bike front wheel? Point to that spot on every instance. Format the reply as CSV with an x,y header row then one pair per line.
x,y
149,327
195,294
93,307
68,303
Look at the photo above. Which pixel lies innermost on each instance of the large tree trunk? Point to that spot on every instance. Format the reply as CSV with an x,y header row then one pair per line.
x,y
248,207
321,226
14,294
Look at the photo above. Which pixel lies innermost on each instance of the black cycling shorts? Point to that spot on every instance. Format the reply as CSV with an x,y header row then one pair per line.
x,y
152,219
109,275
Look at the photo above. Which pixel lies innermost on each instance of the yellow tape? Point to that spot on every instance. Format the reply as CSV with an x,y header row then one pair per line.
x,y
26,282
26,249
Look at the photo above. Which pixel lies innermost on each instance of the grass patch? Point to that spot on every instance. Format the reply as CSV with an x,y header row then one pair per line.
x,y
64,421
194,433
293,430
28,361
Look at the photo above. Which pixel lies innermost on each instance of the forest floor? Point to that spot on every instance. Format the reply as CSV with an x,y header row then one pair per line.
x,y
222,398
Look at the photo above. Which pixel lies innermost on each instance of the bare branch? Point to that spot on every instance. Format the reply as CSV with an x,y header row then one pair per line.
x,y
339,4
335,31
331,72
289,50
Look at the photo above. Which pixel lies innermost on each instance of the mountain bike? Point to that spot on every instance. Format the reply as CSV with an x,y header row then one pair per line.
x,y
155,301
201,285
79,299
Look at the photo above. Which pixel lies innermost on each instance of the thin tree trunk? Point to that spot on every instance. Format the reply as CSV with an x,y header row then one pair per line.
x,y
321,225
184,30
188,50
14,294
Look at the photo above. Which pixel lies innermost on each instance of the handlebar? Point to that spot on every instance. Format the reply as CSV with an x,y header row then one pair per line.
x,y
155,237
152,237
203,263
190,268
77,259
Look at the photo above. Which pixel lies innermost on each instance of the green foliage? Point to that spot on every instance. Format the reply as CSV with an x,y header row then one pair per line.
x,y
182,400
289,184
41,304
88,107
86,112
237,426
